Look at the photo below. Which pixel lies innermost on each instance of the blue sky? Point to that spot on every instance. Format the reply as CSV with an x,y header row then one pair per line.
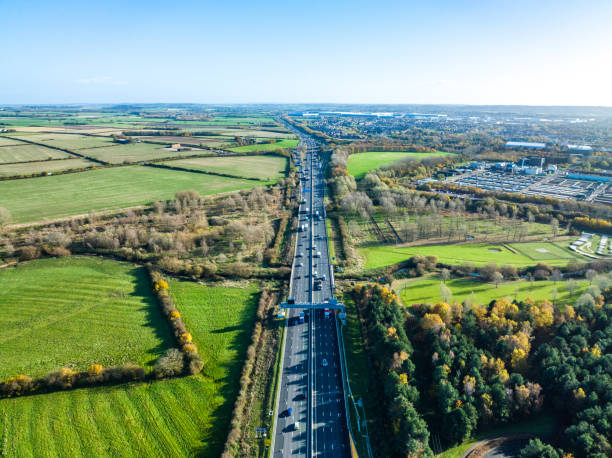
x,y
472,52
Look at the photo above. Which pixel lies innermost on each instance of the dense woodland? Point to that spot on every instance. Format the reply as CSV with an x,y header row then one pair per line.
x,y
453,369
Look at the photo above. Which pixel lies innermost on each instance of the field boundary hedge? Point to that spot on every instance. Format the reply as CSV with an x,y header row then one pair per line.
x,y
184,360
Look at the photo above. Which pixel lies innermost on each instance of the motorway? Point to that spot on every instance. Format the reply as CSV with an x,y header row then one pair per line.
x,y
311,378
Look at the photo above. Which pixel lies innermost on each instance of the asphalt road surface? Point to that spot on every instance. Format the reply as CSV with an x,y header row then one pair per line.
x,y
311,384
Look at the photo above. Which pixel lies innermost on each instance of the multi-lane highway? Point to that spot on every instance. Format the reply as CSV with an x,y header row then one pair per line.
x,y
311,417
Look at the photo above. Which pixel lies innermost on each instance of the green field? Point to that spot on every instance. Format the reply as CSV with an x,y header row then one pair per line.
x,y
132,152
428,291
25,152
242,132
181,417
263,147
361,163
69,141
478,254
27,168
262,167
7,141
76,311
37,199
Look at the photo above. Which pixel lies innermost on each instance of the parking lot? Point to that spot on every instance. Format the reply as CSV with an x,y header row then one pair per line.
x,y
557,186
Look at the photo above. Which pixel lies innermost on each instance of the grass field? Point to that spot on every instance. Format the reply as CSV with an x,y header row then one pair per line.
x,y
26,168
76,311
69,141
262,167
478,254
181,417
361,163
242,132
133,152
262,147
26,152
7,141
428,291
37,199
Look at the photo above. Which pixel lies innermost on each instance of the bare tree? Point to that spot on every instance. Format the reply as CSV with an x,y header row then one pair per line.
x,y
590,275
497,278
445,293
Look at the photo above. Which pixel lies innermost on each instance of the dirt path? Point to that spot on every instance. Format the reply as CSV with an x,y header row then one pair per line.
x,y
498,447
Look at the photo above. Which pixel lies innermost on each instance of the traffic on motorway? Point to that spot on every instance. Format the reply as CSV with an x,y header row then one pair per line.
x,y
311,417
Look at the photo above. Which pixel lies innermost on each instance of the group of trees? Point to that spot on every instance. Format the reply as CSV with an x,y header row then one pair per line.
x,y
66,378
483,365
185,359
575,369
189,235
399,428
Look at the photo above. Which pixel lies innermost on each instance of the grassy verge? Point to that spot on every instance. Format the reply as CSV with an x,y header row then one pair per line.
x,y
330,239
357,369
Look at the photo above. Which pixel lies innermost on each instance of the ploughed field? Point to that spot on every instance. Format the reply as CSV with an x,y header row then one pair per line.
x,y
77,311
37,199
187,416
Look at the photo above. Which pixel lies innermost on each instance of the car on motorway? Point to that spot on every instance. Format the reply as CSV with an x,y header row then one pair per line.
x,y
326,313
289,411
300,264
324,362
296,426
300,397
